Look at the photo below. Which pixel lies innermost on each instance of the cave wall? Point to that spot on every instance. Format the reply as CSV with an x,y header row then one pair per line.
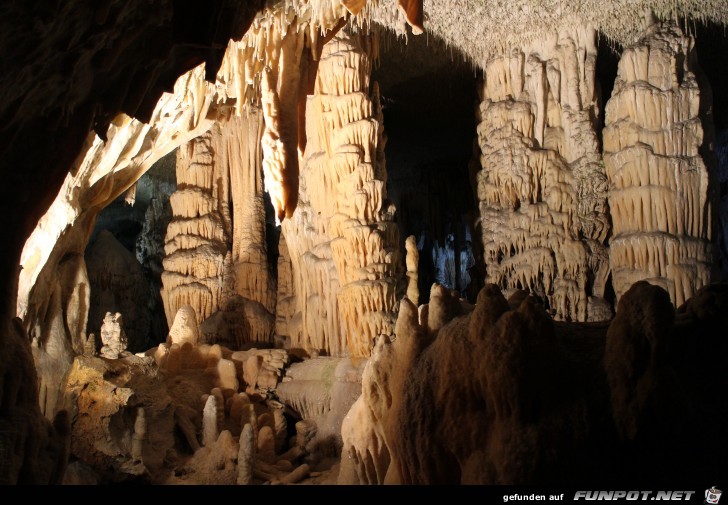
x,y
71,68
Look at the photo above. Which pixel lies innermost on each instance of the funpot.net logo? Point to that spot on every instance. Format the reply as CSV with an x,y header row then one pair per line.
x,y
633,495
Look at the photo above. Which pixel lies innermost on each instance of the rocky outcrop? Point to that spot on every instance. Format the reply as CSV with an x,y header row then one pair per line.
x,y
523,400
658,125
34,451
106,399
342,241
542,188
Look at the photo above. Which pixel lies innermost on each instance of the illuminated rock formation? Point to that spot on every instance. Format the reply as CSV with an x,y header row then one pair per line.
x,y
542,188
218,230
654,142
113,336
342,240
184,329
198,237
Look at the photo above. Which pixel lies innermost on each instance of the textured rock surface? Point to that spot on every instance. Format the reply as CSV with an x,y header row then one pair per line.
x,y
542,188
342,242
215,250
658,124
524,400
89,62
33,450
113,336
322,390
103,398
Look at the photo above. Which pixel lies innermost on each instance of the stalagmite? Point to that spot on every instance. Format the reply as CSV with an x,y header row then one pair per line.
x,y
246,456
266,444
342,241
228,376
220,406
89,349
412,260
219,226
197,238
210,422
118,284
280,428
655,130
184,329
113,336
140,434
542,188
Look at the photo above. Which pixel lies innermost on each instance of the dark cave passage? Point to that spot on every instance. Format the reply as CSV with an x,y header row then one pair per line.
x,y
429,108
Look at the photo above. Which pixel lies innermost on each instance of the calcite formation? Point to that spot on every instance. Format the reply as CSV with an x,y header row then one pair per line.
x,y
517,404
542,188
342,240
218,229
321,391
654,140
197,238
113,336
291,111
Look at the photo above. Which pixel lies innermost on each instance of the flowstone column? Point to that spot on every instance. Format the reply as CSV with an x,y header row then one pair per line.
x,y
542,187
654,138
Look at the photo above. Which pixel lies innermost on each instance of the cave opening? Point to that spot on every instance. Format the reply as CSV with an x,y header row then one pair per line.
x,y
429,100
124,257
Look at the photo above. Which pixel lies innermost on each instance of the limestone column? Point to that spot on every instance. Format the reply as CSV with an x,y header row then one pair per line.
x,y
653,142
542,188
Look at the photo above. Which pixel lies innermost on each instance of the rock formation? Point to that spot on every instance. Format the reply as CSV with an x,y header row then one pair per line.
x,y
503,380
113,336
34,451
342,241
322,390
658,123
451,393
219,226
542,188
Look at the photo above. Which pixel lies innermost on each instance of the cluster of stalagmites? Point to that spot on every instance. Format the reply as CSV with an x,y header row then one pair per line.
x,y
190,412
521,399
